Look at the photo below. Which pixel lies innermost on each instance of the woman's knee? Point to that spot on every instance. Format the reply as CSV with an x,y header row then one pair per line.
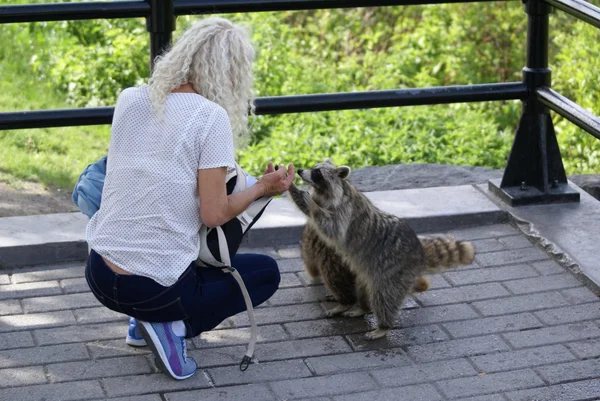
x,y
263,266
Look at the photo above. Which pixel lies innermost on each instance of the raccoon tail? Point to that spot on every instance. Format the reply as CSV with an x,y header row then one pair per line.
x,y
445,252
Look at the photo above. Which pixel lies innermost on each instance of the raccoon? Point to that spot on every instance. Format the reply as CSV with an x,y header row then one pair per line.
x,y
352,244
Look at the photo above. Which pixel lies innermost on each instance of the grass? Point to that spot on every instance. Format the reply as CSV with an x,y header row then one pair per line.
x,y
53,157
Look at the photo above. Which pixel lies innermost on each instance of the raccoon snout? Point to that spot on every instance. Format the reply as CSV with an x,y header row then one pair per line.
x,y
300,171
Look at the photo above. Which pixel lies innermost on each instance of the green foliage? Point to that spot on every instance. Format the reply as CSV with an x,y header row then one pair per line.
x,y
87,63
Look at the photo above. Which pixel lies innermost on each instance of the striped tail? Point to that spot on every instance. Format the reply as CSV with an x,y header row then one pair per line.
x,y
445,252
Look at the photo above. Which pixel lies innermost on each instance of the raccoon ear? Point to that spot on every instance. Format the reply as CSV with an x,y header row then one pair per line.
x,y
327,160
343,171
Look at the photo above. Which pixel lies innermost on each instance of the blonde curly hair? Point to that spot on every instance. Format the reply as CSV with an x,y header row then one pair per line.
x,y
215,56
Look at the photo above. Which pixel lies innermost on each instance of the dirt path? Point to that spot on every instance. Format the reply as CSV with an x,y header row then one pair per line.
x,y
31,199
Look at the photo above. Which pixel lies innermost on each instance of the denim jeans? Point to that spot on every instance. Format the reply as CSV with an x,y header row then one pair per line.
x,y
201,297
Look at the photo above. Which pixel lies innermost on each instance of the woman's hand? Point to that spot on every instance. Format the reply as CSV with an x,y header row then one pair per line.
x,y
276,182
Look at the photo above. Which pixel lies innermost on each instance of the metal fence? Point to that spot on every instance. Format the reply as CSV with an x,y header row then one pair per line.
x,y
534,172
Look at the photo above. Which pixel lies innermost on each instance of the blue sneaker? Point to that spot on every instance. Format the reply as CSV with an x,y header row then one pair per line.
x,y
134,335
169,349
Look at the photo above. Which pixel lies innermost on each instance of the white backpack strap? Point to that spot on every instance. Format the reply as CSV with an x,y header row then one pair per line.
x,y
224,251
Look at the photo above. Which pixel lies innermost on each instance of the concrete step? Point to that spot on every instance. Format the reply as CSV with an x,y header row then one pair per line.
x,y
58,238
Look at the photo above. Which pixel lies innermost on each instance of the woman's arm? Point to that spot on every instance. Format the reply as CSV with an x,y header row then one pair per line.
x,y
217,208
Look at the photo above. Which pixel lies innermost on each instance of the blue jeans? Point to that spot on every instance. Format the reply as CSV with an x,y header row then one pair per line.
x,y
202,297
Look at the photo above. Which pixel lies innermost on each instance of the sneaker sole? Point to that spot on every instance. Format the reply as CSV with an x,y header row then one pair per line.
x,y
161,357
135,342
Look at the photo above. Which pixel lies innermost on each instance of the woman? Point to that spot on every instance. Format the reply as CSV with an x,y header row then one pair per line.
x,y
172,142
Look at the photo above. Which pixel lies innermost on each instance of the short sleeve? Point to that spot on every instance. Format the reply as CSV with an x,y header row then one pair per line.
x,y
217,149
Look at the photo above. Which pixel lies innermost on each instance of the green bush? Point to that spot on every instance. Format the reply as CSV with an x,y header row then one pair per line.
x,y
87,63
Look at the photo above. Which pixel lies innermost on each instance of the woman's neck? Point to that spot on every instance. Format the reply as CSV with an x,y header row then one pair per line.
x,y
185,88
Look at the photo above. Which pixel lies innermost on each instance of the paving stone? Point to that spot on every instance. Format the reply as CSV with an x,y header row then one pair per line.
x,y
421,392
148,397
258,392
548,267
511,256
96,369
289,296
289,252
144,384
17,339
272,351
15,377
488,245
437,281
546,283
487,397
42,355
553,335
466,293
488,231
323,365
226,337
114,348
570,314
28,290
4,279
428,372
10,307
522,303
492,383
515,242
565,372
488,274
579,295
99,314
306,281
327,327
74,285
36,320
510,360
79,390
290,265
59,302
49,274
82,333
491,325
289,280
280,314
267,371
435,314
586,348
578,391
346,383
399,338
457,348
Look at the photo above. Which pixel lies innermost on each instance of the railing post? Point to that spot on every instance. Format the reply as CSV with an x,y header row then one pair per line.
x,y
161,24
535,173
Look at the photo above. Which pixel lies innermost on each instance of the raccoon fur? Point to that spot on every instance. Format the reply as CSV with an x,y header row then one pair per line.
x,y
369,260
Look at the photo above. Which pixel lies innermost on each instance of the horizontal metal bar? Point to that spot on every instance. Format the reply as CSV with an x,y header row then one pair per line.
x,y
187,7
391,98
134,9
291,104
580,9
73,11
570,110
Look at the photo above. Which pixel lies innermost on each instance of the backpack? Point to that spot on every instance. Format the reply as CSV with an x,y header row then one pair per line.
x,y
218,245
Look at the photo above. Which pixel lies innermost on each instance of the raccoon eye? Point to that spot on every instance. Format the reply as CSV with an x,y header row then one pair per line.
x,y
316,175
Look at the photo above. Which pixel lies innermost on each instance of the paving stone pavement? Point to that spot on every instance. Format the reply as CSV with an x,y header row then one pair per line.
x,y
513,326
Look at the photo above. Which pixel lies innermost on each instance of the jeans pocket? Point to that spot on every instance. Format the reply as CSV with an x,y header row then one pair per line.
x,y
166,312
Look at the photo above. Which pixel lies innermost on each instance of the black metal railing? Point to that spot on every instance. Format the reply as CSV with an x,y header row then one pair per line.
x,y
534,171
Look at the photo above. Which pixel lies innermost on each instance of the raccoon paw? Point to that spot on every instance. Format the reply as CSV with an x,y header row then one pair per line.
x,y
355,311
377,333
338,310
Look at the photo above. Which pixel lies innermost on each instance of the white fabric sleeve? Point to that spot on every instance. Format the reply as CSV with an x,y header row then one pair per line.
x,y
217,149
